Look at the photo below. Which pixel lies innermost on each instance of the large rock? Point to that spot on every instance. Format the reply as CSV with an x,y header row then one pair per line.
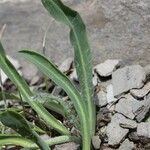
x,y
128,78
116,29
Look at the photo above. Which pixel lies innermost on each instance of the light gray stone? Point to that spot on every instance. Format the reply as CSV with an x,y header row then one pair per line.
x,y
95,79
140,93
143,130
110,94
116,133
127,78
73,75
101,99
96,141
132,108
126,145
105,69
66,65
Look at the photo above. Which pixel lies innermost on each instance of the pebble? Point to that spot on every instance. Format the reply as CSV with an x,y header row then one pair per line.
x,y
127,78
105,69
101,99
126,145
115,133
34,80
140,93
95,79
96,141
73,75
66,65
110,94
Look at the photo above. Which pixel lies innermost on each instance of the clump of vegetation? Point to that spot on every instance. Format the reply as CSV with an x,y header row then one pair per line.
x,y
27,135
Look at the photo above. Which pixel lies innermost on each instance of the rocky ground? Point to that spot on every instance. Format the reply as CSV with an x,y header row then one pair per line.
x,y
122,97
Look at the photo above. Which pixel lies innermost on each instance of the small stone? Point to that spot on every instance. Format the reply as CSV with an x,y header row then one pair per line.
x,y
143,131
35,80
133,136
95,79
105,69
124,106
96,141
116,133
132,108
73,75
126,145
101,99
140,93
110,94
127,78
66,65
67,146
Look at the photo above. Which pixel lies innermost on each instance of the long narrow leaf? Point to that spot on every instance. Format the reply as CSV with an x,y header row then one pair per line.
x,y
82,52
19,124
50,70
26,143
9,96
14,76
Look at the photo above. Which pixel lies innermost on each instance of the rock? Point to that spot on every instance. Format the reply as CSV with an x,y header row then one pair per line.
x,y
66,65
140,93
143,131
132,108
127,78
110,94
96,141
126,145
124,106
15,64
115,133
34,80
67,146
101,99
105,69
95,79
73,75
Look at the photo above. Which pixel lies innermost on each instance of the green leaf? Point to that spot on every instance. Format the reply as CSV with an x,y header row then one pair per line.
x,y
51,102
50,70
14,76
19,124
17,140
82,52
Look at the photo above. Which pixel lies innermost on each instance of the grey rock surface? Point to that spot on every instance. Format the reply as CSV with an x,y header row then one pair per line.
x,y
147,70
128,78
116,133
105,69
116,29
67,146
126,145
